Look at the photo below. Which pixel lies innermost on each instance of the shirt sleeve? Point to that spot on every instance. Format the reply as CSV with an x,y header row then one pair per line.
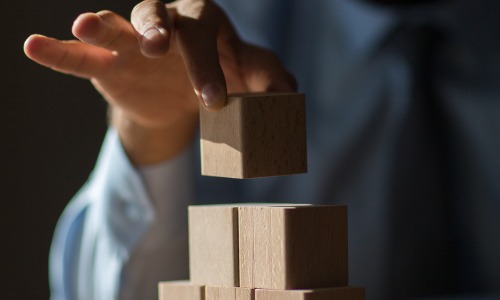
x,y
103,225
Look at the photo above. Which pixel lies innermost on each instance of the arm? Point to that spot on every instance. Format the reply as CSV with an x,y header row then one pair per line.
x,y
153,83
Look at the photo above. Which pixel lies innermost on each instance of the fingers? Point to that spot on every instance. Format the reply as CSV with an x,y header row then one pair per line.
x,y
196,28
102,33
107,30
263,71
152,24
70,57
199,51
193,27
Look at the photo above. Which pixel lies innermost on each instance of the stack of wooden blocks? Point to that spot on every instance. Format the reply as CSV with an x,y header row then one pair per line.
x,y
262,252
265,252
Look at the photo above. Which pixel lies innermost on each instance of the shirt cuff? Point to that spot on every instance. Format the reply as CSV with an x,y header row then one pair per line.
x,y
135,197
120,198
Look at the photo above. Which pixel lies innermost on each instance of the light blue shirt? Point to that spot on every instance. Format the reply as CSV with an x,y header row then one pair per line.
x,y
412,230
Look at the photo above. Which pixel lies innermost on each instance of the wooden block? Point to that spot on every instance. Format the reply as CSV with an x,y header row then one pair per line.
x,y
255,135
175,290
340,293
229,293
213,245
300,247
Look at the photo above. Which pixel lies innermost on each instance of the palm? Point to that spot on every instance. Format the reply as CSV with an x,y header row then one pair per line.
x,y
151,91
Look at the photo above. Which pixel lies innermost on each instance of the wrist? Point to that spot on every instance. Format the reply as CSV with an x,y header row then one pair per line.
x,y
150,145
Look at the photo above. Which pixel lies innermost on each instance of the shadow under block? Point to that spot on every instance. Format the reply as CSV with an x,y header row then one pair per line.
x,y
213,245
176,290
255,135
301,247
229,293
340,293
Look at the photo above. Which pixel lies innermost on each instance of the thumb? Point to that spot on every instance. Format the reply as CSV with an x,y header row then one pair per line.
x,y
152,25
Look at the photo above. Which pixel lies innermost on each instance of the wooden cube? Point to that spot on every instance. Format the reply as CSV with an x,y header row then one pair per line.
x,y
213,245
214,242
255,135
340,293
229,293
175,290
297,247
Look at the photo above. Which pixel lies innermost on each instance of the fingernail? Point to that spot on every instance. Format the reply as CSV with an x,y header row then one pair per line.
x,y
154,33
211,95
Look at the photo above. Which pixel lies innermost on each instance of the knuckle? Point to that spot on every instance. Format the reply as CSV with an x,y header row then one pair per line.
x,y
81,63
105,14
61,62
147,13
138,8
112,38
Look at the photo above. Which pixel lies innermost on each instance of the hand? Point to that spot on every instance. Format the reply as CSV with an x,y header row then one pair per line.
x,y
153,72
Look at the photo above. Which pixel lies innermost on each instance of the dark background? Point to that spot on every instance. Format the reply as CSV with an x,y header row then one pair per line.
x,y
51,128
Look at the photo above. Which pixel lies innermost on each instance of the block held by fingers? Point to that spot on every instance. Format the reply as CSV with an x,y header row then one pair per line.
x,y
255,135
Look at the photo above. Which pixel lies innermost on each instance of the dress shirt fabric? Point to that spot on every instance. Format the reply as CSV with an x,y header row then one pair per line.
x,y
423,219
98,233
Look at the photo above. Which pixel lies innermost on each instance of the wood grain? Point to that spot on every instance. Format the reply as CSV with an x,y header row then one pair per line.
x,y
294,247
229,293
213,245
255,135
176,290
340,293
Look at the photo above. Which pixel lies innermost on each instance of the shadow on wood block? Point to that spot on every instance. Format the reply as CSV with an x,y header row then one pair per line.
x,y
255,135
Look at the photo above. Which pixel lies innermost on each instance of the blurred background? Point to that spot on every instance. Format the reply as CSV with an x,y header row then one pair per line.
x,y
51,128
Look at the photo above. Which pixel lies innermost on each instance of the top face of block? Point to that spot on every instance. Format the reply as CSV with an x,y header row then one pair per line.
x,y
255,135
174,290
293,247
229,293
340,293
